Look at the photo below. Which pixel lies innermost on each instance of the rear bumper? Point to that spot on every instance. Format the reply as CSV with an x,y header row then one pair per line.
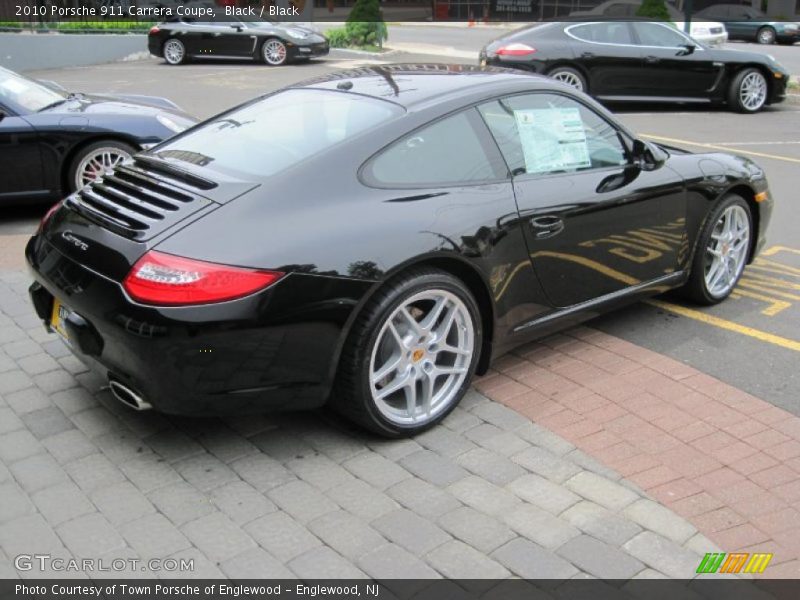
x,y
155,46
264,352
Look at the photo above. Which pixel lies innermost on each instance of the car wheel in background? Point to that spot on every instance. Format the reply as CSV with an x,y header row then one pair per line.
x,y
748,92
722,251
766,35
174,52
411,354
93,161
571,77
274,53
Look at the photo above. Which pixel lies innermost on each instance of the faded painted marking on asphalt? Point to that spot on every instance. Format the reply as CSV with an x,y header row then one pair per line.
x,y
773,285
668,140
709,319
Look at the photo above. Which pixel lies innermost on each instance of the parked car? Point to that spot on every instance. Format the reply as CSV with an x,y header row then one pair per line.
x,y
273,43
752,25
53,142
623,61
706,32
379,234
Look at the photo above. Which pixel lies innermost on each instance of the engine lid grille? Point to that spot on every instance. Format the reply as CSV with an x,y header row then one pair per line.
x,y
141,200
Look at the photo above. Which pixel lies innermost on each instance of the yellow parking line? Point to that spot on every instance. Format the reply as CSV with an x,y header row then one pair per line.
x,y
668,140
725,324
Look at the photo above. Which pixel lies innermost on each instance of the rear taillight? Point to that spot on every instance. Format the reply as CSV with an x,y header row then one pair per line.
x,y
168,280
50,212
154,30
515,50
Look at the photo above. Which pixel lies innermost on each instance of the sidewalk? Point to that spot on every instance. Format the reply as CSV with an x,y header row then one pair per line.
x,y
725,460
488,494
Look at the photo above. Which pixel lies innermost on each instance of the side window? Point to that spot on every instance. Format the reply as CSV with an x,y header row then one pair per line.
x,y
550,133
654,34
612,32
448,152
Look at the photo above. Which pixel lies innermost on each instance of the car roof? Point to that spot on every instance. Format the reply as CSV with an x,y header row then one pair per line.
x,y
417,84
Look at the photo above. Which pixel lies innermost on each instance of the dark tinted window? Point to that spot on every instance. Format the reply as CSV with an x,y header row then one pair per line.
x,y
272,134
444,153
603,33
656,34
550,133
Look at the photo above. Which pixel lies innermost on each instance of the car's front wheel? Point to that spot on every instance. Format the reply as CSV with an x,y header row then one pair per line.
x,y
572,77
274,52
722,251
748,92
766,35
95,160
411,354
174,52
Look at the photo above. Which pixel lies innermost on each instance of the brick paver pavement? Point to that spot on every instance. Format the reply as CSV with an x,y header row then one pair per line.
x,y
725,460
489,494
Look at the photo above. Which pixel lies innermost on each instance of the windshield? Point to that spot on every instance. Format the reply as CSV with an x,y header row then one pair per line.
x,y
277,132
25,95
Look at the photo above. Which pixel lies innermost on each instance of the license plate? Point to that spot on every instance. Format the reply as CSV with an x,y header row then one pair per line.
x,y
57,318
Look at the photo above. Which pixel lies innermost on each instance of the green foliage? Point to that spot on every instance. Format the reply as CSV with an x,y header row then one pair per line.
x,y
104,26
338,37
365,25
653,9
10,25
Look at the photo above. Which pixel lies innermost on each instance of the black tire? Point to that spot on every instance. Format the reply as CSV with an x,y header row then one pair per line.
x,y
734,99
75,163
179,47
352,396
273,62
766,35
570,74
695,288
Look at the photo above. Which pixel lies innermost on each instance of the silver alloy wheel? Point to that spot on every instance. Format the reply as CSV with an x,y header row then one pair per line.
x,y
569,78
97,163
174,51
753,91
274,52
421,357
727,250
766,36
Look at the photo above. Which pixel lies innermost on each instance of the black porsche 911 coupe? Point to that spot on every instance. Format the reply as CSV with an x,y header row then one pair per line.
x,y
377,236
53,142
273,43
641,61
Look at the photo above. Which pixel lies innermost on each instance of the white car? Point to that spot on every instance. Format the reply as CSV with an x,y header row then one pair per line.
x,y
709,33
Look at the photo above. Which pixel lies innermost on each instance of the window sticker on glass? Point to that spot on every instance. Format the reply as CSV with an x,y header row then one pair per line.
x,y
553,139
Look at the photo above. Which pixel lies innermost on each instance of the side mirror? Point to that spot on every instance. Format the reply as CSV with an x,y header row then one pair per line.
x,y
2,114
687,49
647,156
236,27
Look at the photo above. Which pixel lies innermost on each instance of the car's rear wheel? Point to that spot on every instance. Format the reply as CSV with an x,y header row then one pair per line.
x,y
766,35
174,52
95,160
722,251
274,52
411,354
571,77
748,92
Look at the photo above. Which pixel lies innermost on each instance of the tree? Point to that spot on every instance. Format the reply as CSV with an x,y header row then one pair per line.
x,y
365,25
653,9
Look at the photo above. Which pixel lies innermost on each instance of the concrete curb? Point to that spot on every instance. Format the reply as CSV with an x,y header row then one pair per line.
x,y
24,52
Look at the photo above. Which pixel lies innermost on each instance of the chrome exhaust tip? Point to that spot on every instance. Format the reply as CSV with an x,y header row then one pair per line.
x,y
127,396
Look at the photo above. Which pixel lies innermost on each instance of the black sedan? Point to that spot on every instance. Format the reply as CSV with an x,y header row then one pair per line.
x,y
640,61
273,43
378,236
53,142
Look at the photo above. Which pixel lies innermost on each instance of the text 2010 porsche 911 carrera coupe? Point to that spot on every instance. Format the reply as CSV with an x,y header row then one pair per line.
x,y
377,236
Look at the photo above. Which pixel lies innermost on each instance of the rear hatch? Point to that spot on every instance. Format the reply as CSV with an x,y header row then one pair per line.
x,y
109,224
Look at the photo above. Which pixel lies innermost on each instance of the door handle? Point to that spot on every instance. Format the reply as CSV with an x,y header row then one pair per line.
x,y
547,226
651,59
